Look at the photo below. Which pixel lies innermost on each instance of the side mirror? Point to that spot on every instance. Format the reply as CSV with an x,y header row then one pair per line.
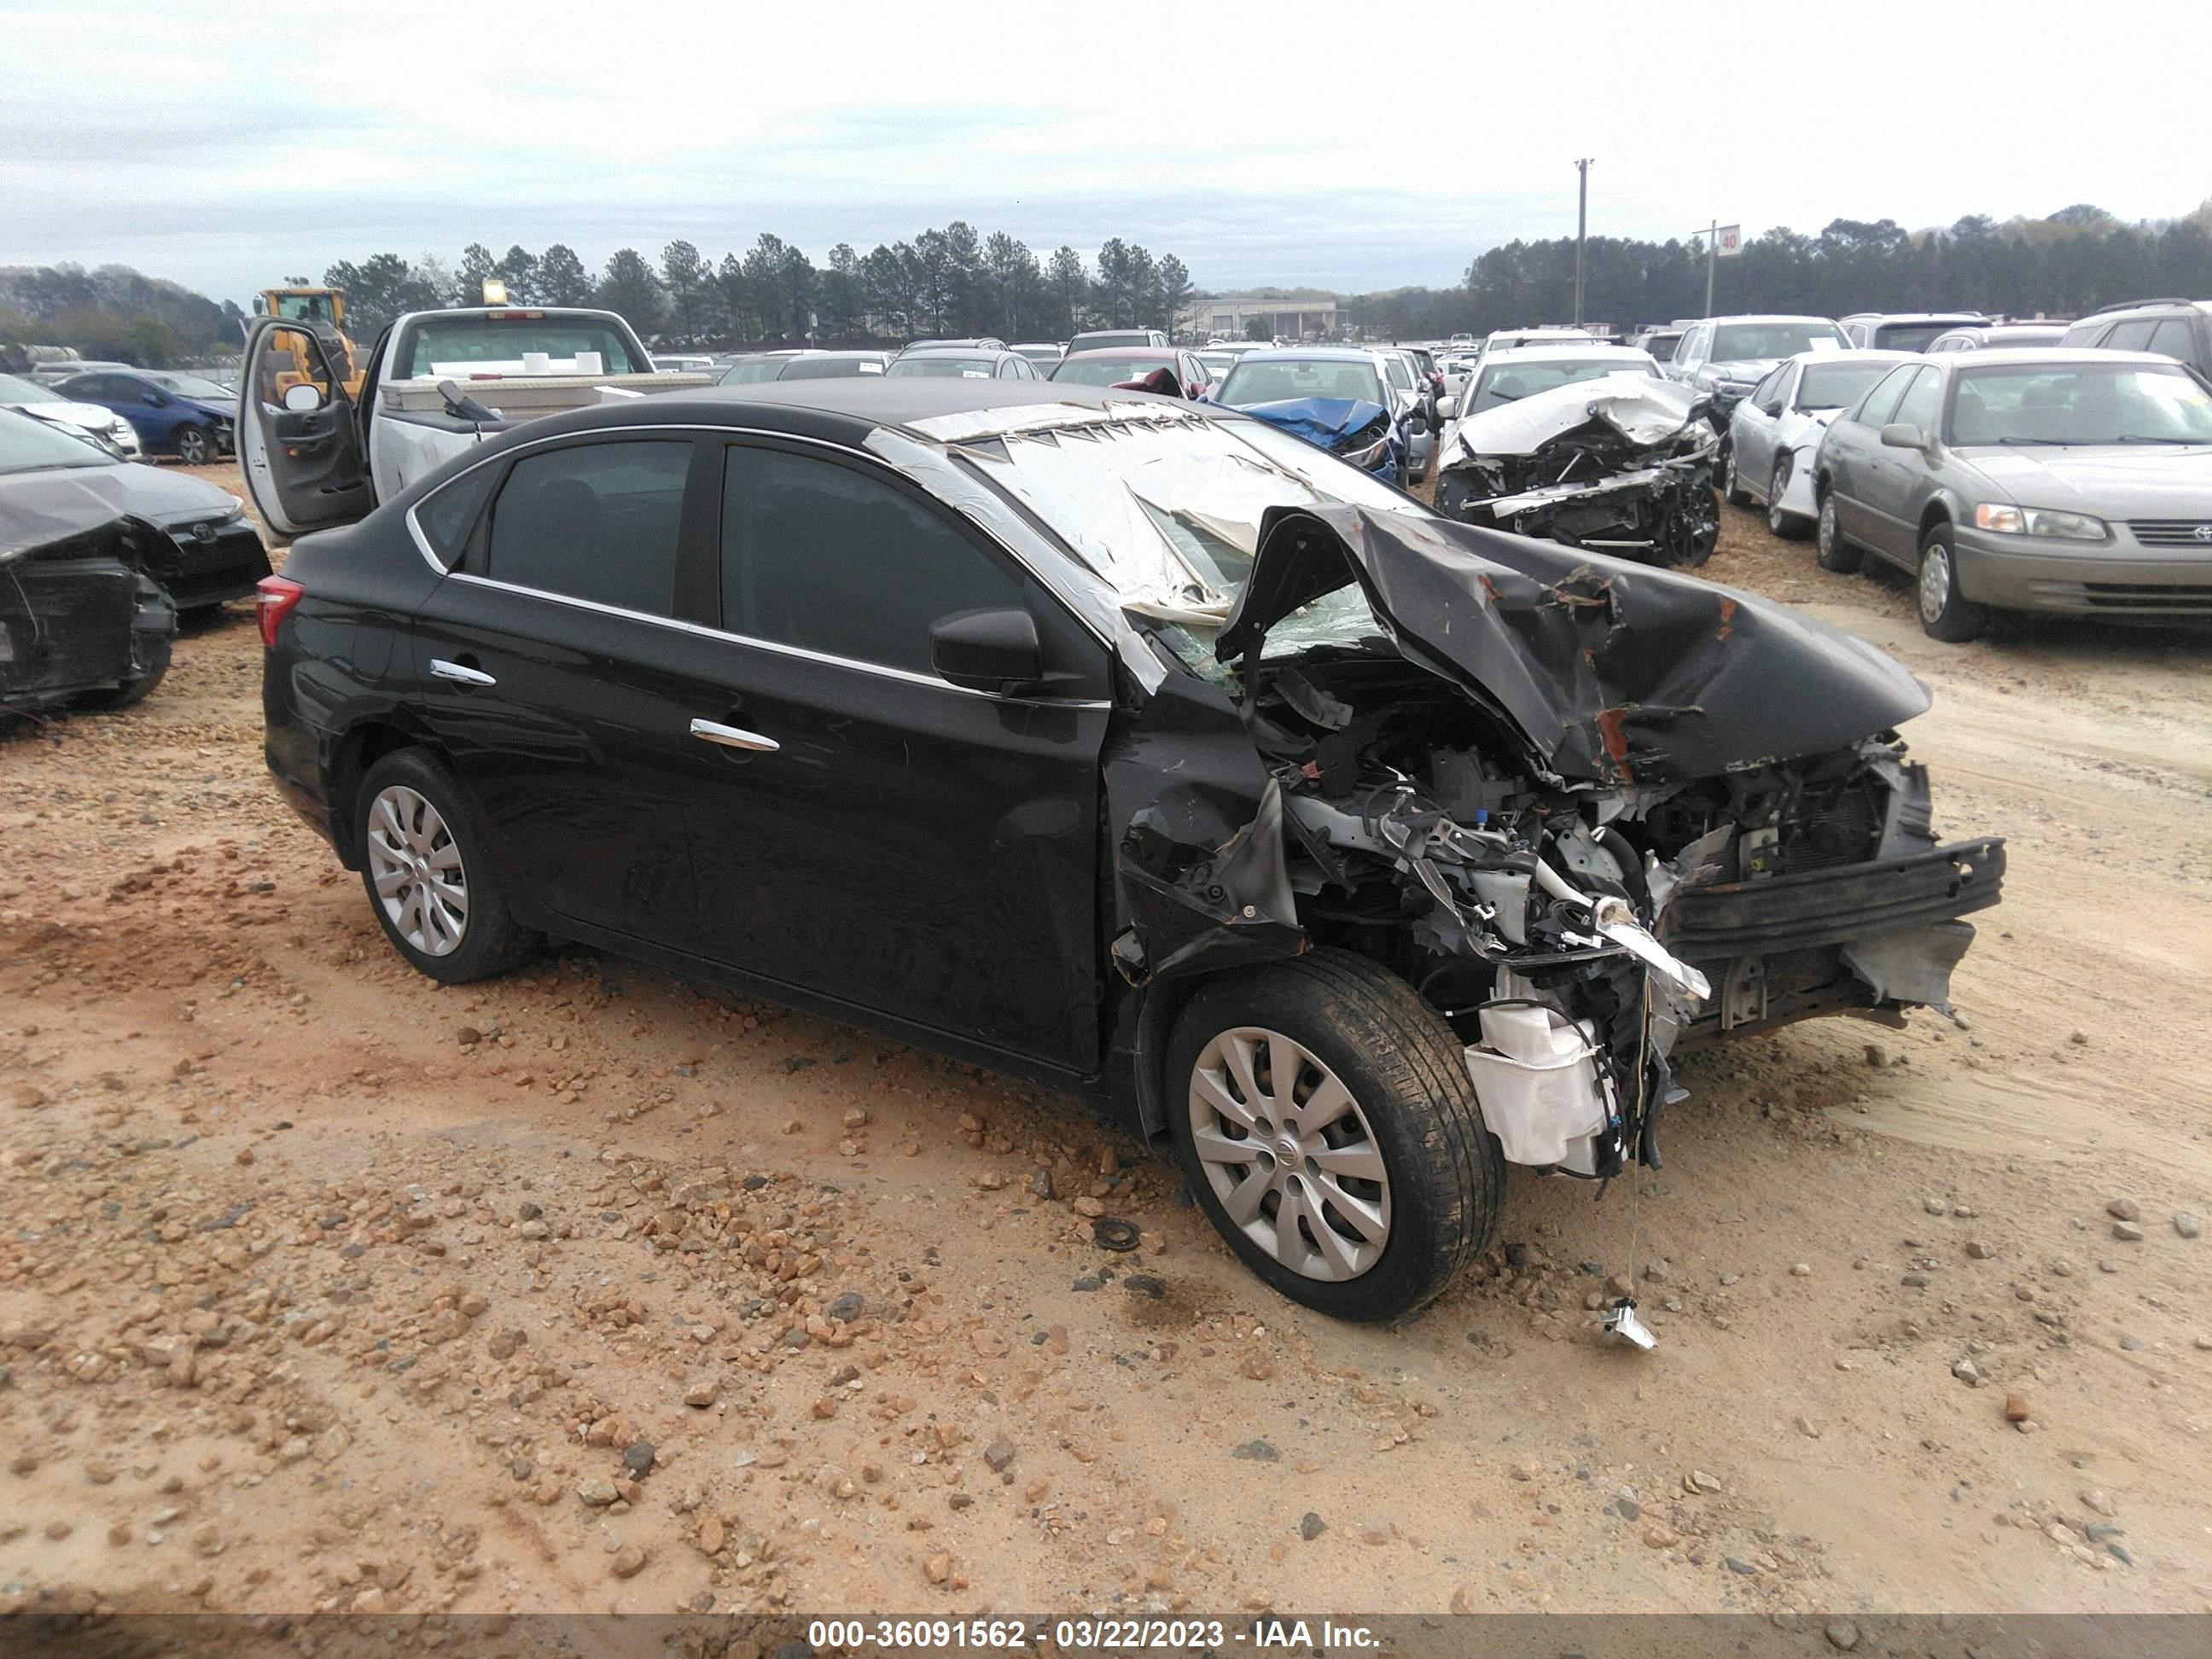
x,y
1900,434
1449,409
986,650
302,398
154,399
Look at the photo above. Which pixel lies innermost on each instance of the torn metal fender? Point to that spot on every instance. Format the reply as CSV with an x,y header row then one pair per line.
x,y
1200,881
1615,673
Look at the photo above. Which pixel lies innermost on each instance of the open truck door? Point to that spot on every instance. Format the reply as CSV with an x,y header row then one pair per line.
x,y
299,442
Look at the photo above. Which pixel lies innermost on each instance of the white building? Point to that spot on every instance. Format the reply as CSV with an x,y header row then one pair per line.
x,y
1228,316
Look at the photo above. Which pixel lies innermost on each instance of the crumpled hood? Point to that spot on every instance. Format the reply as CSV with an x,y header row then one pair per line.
x,y
2106,481
1641,409
1615,673
40,509
1323,421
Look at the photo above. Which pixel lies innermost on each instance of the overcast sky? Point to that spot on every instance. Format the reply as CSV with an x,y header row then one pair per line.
x,y
1347,147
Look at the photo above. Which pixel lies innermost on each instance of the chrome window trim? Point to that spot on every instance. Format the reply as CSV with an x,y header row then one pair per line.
x,y
1029,567
777,647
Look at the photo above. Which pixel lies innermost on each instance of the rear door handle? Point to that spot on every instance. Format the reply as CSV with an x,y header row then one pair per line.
x,y
441,669
731,738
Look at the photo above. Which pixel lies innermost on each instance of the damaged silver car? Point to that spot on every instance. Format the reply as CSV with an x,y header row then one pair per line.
x,y
1622,465
1133,746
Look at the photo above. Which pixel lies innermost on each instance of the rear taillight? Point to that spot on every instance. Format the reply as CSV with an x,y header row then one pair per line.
x,y
273,600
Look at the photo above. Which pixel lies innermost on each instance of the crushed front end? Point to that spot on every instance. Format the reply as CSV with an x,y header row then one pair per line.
x,y
1622,466
80,617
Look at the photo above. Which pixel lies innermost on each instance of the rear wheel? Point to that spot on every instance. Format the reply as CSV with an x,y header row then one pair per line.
x,y
428,873
1324,1118
1830,550
1945,613
1788,525
194,447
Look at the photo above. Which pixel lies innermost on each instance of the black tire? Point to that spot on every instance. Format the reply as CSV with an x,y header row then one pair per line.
x,y
130,692
1408,1077
1831,551
1945,613
489,942
194,447
1730,486
1789,526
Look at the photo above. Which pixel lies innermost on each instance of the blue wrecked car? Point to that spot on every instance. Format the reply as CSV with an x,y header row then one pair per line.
x,y
1333,399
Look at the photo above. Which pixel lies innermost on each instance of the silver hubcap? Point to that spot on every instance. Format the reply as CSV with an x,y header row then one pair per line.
x,y
1775,486
193,447
1730,482
1934,581
1827,527
1289,1154
416,867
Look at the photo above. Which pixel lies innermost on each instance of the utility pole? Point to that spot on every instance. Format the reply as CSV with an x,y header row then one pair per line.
x,y
1712,254
1582,228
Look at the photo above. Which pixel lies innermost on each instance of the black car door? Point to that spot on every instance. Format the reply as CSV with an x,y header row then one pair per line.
x,y
862,828
549,668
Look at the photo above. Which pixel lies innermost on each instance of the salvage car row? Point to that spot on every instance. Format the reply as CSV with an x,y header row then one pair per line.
x,y
1125,742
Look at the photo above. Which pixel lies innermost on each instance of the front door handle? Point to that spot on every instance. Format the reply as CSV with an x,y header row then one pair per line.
x,y
731,738
441,669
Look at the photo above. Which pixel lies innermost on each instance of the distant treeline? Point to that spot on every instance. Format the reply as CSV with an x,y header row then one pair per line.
x,y
949,282
2075,260
956,282
112,313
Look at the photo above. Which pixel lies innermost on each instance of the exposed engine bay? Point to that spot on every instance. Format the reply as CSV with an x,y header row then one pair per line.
x,y
1622,466
1573,916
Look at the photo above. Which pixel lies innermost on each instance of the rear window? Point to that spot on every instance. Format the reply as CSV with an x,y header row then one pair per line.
x,y
748,373
1110,371
1735,343
826,368
461,346
593,521
1250,383
1909,337
944,368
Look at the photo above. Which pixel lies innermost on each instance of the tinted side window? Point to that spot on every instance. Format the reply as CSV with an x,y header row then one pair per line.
x,y
1877,411
448,514
593,521
1922,398
2130,335
2083,333
824,557
1767,394
2172,337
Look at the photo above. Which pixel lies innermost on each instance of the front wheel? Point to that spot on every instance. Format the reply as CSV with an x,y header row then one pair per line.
x,y
1830,550
1946,614
428,873
194,447
1324,1118
1788,525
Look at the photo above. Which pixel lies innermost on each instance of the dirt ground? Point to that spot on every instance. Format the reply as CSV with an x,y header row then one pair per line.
x,y
322,1287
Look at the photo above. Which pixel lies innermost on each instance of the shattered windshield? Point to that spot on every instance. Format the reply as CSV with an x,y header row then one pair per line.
x,y
1167,511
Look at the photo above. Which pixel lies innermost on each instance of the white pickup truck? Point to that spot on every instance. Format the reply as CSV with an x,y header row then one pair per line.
x,y
437,384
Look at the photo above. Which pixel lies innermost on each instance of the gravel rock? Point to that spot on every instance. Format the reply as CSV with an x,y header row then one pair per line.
x,y
2123,1209
2016,1409
1842,1634
1257,1451
997,1455
637,1458
1978,1250
1967,1373
1528,1467
1312,1527
628,1561
597,1492
2187,1225
2127,1232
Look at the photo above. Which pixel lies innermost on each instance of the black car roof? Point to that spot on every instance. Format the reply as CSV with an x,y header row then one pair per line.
x,y
841,410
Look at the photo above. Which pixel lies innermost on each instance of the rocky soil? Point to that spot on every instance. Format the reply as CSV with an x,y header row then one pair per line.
x,y
323,1287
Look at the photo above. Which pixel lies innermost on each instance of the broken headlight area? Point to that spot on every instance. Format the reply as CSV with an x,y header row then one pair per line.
x,y
1626,469
81,617
1703,844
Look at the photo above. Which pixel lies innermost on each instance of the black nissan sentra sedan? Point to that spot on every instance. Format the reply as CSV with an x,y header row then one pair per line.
x,y
1132,746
